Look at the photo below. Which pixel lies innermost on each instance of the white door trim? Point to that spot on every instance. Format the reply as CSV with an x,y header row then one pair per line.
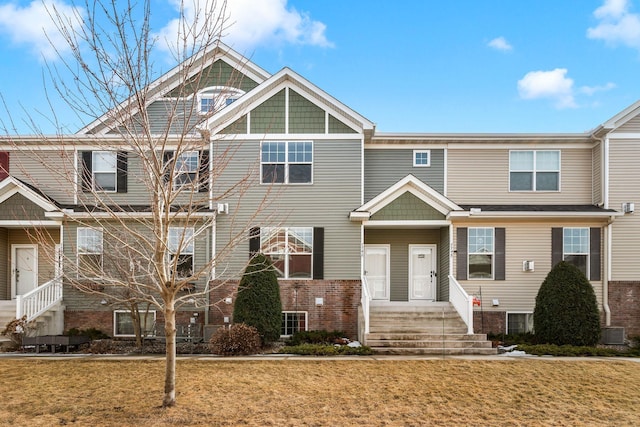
x,y
387,291
13,265
433,273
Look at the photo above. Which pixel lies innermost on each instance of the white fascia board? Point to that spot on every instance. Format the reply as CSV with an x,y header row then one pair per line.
x,y
481,137
11,186
126,215
521,215
406,224
27,223
623,116
286,136
359,216
623,135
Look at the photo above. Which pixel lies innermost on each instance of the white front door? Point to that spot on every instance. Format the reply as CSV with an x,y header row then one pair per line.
x,y
376,270
422,272
24,269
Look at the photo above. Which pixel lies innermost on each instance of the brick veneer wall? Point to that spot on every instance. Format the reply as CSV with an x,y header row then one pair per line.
x,y
624,302
494,322
339,310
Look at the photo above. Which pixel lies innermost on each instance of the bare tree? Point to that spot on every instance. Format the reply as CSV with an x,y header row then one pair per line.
x,y
139,254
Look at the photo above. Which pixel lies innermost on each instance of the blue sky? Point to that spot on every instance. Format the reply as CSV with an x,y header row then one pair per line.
x,y
409,66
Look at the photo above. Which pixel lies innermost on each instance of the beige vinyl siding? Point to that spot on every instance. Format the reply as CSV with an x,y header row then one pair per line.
x,y
5,279
524,241
51,171
385,167
597,174
46,240
482,176
399,240
624,185
326,203
632,126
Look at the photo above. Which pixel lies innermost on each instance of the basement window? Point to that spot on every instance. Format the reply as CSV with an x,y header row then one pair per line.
x,y
292,322
519,323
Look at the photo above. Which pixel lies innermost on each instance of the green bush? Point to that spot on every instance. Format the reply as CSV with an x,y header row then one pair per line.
x,y
239,339
315,337
258,302
571,351
326,350
92,333
566,310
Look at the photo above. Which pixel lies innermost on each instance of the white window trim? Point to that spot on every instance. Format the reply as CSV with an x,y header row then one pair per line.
x,y
115,322
286,252
587,254
428,164
534,171
286,164
492,253
506,331
176,184
78,253
218,93
186,242
94,186
306,320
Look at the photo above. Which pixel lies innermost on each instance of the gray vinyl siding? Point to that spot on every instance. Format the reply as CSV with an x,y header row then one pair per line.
x,y
482,176
165,116
632,126
385,167
399,240
444,251
326,203
625,187
51,171
597,174
524,241
5,279
18,207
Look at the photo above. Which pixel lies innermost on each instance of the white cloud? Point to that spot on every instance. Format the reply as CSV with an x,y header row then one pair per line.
x,y
500,43
617,25
554,85
591,90
33,26
250,23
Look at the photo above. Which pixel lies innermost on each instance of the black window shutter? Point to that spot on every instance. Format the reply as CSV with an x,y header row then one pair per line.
x,y
254,241
122,171
500,254
595,271
87,168
204,171
167,164
461,248
318,253
556,245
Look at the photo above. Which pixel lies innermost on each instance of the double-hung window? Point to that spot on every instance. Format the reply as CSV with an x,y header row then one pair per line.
x,y
287,162
531,170
290,250
89,244
481,253
186,169
181,251
105,170
575,247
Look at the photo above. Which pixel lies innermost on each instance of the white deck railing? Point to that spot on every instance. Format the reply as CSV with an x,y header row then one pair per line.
x,y
36,302
462,302
366,302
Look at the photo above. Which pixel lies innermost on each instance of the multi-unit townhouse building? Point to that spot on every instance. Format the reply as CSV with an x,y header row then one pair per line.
x,y
357,221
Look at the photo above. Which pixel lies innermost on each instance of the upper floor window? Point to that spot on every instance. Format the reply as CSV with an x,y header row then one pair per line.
x,y
575,247
89,247
181,246
421,158
286,162
186,169
213,99
481,251
290,250
531,170
105,169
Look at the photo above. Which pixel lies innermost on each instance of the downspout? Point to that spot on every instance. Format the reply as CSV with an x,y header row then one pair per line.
x,y
608,239
213,268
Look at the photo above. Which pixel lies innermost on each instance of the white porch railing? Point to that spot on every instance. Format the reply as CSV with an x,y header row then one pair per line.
x,y
365,299
36,302
462,302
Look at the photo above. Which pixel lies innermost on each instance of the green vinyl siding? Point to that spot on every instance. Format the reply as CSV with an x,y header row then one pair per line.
x,y
407,207
385,167
268,117
336,126
18,207
239,126
219,73
304,116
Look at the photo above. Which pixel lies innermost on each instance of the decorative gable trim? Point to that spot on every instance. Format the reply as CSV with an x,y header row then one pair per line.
x,y
11,186
622,117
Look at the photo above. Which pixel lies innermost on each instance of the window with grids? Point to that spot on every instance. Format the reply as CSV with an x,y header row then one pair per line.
x,y
89,244
292,322
481,251
421,158
290,249
213,99
286,162
186,169
105,168
531,170
123,323
575,247
181,251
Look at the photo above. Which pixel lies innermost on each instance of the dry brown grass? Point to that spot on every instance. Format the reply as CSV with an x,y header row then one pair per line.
x,y
320,393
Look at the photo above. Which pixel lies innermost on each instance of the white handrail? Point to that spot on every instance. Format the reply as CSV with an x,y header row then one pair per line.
x,y
365,300
39,300
462,302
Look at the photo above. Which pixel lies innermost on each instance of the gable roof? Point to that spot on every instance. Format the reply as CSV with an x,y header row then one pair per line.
x,y
286,78
409,184
619,119
174,78
11,186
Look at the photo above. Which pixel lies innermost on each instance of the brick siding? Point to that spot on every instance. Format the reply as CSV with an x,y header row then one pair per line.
x,y
494,322
624,302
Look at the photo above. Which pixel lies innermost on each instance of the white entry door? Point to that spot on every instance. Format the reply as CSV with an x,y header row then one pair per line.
x,y
422,272
24,269
376,270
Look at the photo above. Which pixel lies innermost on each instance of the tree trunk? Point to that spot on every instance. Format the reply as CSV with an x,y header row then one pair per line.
x,y
170,359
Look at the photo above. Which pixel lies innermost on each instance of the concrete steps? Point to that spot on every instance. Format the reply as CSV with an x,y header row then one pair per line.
x,y
434,328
